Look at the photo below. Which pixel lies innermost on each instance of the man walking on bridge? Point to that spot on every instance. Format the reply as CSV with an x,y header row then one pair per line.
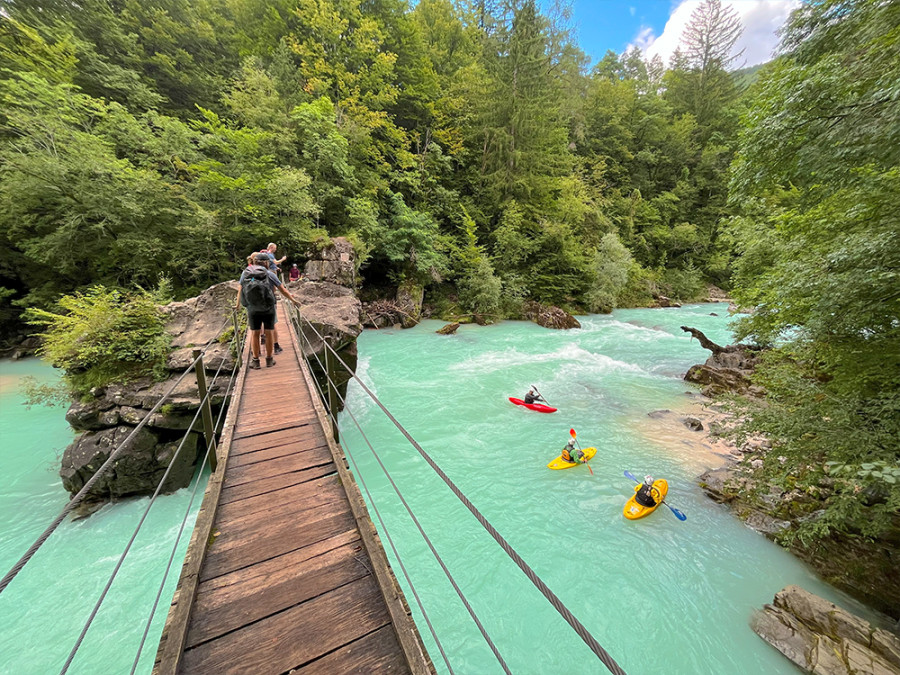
x,y
257,294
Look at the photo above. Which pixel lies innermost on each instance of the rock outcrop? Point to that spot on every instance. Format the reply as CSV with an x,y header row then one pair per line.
x,y
549,317
728,370
821,638
449,329
111,414
333,264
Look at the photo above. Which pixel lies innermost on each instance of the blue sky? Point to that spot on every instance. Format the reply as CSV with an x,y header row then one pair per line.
x,y
611,24
656,25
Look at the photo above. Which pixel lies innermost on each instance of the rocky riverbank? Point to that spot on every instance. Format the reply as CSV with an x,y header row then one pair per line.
x,y
869,570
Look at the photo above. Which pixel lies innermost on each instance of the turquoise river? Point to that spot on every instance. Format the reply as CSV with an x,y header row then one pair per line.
x,y
659,594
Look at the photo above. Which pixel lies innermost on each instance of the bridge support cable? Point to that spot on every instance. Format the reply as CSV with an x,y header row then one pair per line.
x,y
210,443
206,457
79,496
384,528
551,597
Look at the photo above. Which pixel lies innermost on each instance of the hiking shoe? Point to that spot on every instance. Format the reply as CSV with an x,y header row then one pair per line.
x,y
278,348
254,364
269,362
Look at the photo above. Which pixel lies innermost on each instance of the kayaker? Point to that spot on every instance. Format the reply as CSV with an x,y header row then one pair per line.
x,y
532,396
644,495
572,454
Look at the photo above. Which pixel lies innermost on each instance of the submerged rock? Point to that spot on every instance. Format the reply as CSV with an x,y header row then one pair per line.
x,y
449,329
821,638
549,317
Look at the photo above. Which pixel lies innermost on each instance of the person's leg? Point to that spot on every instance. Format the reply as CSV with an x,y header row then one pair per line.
x,y
254,343
269,322
254,324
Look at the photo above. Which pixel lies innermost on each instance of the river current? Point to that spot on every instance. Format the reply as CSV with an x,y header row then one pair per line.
x,y
660,595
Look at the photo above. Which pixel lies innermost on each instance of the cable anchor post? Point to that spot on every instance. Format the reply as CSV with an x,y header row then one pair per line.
x,y
206,411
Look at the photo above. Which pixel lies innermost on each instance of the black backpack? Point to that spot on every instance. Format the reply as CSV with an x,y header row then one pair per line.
x,y
257,294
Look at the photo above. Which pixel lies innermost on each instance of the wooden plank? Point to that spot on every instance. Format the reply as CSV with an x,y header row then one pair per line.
x,y
269,440
404,626
377,652
314,441
268,428
258,487
288,580
229,552
293,462
170,652
286,499
295,636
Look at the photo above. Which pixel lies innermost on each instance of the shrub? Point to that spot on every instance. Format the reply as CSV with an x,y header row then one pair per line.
x,y
104,336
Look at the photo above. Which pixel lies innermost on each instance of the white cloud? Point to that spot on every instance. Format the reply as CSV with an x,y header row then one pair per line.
x,y
761,20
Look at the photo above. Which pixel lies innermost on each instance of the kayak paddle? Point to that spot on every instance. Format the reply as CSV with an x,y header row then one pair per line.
x,y
574,438
678,514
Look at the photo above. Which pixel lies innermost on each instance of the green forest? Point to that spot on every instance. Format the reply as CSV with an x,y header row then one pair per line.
x,y
471,148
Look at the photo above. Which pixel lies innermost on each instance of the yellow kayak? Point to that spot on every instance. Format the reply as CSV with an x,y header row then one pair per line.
x,y
560,463
633,510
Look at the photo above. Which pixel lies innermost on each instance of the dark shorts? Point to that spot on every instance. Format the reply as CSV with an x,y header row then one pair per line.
x,y
258,320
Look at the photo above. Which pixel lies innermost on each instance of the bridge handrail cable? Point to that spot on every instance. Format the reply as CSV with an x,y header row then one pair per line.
x,y
115,572
551,597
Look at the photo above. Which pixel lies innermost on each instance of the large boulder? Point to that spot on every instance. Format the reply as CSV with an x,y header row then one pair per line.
x,y
111,413
821,638
196,321
549,317
335,264
728,370
138,469
410,295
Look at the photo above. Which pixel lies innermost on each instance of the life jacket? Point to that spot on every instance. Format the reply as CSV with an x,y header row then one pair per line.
x,y
565,454
257,291
644,495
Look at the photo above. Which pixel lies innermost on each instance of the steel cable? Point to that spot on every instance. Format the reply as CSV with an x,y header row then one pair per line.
x,y
384,528
140,524
551,597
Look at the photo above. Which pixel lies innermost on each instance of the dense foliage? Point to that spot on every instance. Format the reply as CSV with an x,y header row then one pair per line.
x,y
103,336
464,148
817,180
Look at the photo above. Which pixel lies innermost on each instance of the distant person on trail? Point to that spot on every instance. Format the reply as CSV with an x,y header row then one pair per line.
x,y
532,396
644,495
257,294
572,454
270,251
295,272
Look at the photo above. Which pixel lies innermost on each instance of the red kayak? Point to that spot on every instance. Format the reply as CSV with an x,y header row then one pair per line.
x,y
532,406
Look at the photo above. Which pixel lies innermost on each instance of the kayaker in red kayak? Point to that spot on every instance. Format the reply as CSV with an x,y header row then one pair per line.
x,y
532,397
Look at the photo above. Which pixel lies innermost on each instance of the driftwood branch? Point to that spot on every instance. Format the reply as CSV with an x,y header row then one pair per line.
x,y
705,342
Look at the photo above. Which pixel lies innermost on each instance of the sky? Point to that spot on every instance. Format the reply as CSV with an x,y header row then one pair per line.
x,y
655,26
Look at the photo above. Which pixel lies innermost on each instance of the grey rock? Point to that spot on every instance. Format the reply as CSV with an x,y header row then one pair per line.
x,y
693,423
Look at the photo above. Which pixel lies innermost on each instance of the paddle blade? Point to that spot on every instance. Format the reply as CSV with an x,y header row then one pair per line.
x,y
572,432
628,475
589,468
678,514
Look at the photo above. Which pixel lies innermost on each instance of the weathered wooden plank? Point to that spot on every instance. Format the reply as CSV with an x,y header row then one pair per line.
x,y
313,492
286,582
258,487
295,636
294,462
275,425
377,652
269,440
230,552
316,440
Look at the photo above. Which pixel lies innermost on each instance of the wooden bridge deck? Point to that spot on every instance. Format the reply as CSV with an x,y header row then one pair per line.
x,y
284,572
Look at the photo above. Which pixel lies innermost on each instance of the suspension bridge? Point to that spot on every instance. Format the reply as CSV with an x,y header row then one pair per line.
x,y
285,570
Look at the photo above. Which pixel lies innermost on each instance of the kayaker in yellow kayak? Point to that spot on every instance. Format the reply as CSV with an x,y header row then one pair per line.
x,y
644,495
572,454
